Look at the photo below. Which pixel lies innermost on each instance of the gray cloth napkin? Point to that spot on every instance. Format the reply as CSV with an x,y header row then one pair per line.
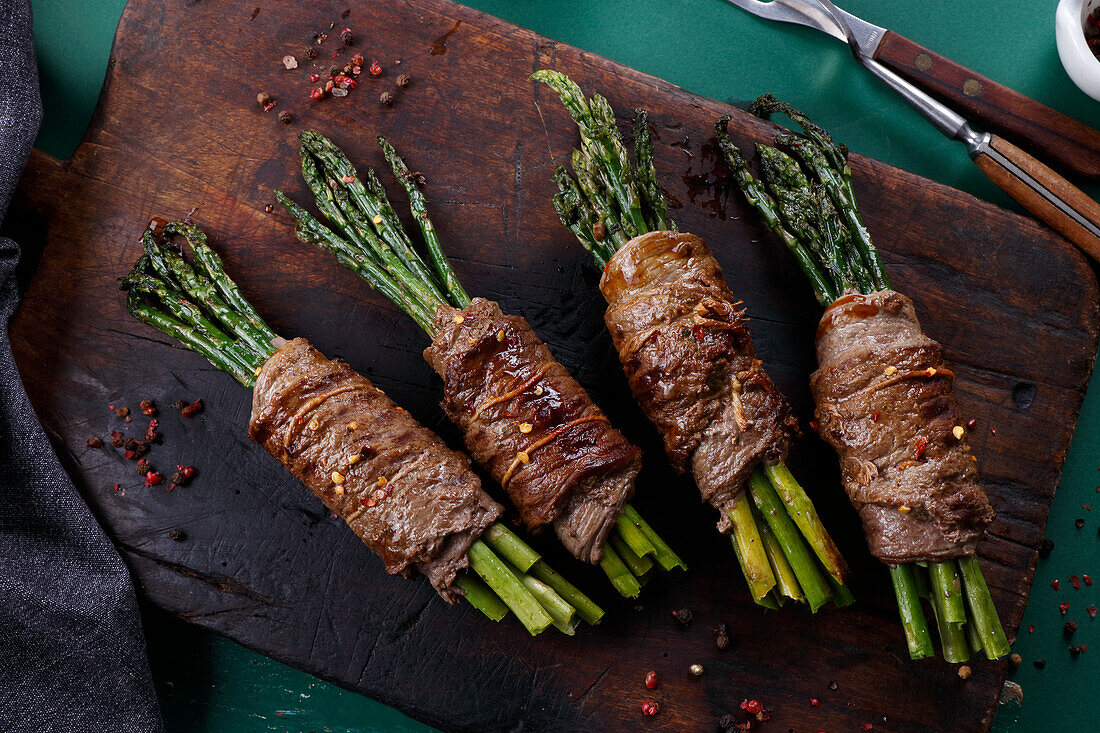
x,y
72,653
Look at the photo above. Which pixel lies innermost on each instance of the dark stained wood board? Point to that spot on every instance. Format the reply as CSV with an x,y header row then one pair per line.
x,y
263,563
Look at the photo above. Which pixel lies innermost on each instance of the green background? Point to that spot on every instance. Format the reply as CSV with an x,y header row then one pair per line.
x,y
208,683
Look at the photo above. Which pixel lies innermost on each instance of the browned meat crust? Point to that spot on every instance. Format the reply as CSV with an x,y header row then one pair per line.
x,y
413,501
887,404
532,426
685,345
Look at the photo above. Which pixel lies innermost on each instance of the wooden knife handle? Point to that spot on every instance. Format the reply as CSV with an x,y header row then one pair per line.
x,y
1035,203
1067,143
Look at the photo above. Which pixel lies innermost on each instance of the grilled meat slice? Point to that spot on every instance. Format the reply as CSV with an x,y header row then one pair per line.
x,y
685,345
887,404
531,425
413,501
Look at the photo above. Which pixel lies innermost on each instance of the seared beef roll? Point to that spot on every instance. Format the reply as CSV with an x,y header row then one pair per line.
x,y
887,404
685,345
532,425
412,500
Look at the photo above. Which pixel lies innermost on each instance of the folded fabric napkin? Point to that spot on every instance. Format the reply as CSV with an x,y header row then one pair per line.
x,y
72,654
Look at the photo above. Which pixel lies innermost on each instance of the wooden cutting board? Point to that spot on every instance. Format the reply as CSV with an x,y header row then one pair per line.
x,y
260,560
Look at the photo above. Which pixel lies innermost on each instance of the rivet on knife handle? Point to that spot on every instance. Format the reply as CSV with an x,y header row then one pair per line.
x,y
1063,141
1051,198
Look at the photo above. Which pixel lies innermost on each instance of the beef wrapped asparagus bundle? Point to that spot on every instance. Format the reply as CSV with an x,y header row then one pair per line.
x,y
885,400
414,502
529,423
684,343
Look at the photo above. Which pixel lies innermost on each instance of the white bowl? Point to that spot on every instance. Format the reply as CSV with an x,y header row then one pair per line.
x,y
1078,59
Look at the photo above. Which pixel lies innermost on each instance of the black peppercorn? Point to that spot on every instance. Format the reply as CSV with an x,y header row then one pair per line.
x,y
1046,548
1079,523
404,80
1069,628
1040,663
94,442
285,117
386,99
311,52
177,535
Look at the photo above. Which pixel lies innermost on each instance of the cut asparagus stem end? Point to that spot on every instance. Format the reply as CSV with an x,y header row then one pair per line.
x,y
786,581
802,511
806,569
619,574
770,600
482,597
632,535
917,636
947,589
509,546
507,586
666,558
982,611
563,614
842,596
586,607
639,566
952,637
750,550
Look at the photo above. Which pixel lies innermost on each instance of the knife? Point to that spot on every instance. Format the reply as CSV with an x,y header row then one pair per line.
x,y
1062,140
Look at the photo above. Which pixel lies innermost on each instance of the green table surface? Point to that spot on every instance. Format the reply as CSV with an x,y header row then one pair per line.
x,y
207,683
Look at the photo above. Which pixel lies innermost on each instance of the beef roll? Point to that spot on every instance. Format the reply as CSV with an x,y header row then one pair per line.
x,y
887,404
685,346
413,501
532,426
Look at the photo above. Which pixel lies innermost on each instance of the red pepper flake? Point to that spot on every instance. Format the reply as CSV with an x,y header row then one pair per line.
x,y
651,681
314,78
650,708
920,448
151,434
117,487
1063,607
148,408
698,332
375,68
971,423
1054,584
874,416
751,706
1092,610
1031,628
153,478
813,425
867,726
814,702
1087,579
1076,582
348,179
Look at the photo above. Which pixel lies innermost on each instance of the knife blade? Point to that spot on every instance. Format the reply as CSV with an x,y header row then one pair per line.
x,y
1062,140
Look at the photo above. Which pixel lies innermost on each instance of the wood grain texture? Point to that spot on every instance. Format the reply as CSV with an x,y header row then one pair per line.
x,y
1066,143
1031,200
262,562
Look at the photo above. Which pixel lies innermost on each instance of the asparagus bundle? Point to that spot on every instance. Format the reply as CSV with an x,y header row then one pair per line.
x,y
885,401
413,501
524,418
684,344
